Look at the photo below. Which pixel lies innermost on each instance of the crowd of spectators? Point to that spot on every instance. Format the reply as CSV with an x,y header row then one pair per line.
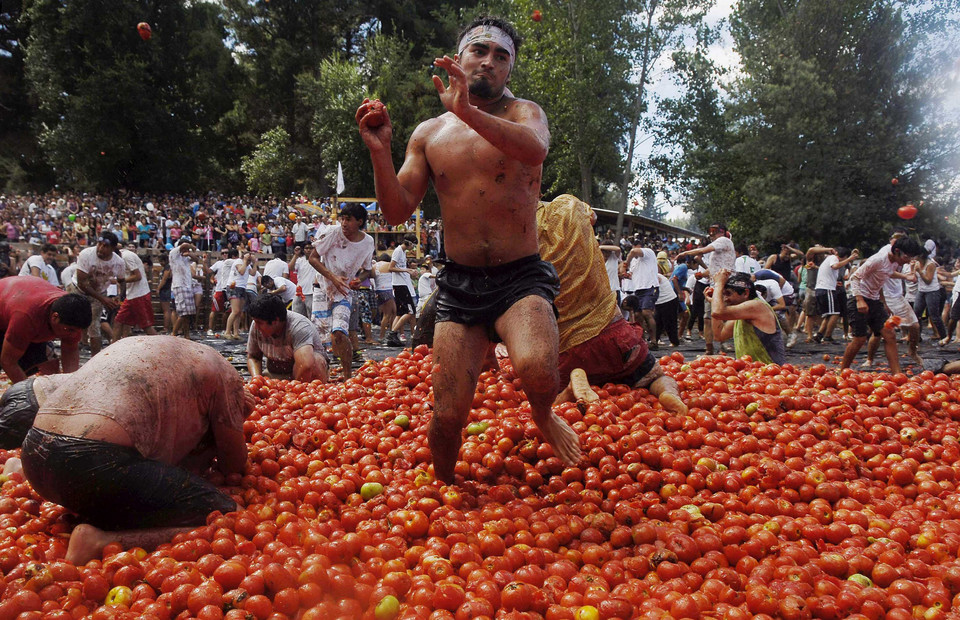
x,y
201,253
667,277
212,222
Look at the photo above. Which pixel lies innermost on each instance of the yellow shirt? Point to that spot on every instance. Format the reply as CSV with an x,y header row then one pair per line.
x,y
585,302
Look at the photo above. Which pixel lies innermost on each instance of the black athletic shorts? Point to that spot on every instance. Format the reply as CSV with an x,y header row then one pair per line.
x,y
862,324
480,295
401,293
115,488
35,354
18,409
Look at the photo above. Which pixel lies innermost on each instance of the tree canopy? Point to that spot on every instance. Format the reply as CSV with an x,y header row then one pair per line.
x,y
829,101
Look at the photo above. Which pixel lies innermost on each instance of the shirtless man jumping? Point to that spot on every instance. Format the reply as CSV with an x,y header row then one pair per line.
x,y
484,157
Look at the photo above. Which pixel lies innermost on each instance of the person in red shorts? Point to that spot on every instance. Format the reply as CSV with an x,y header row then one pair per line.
x,y
137,308
594,336
34,313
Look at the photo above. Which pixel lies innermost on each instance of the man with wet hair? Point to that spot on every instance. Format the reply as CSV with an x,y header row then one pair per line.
x,y
740,314
288,340
484,157
34,313
865,309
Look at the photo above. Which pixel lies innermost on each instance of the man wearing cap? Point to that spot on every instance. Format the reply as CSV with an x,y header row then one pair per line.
x,y
484,157
740,314
722,256
96,267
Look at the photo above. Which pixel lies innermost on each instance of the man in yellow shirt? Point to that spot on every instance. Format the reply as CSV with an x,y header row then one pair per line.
x,y
593,333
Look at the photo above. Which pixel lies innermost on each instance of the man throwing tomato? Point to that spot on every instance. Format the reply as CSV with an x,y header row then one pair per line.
x,y
484,157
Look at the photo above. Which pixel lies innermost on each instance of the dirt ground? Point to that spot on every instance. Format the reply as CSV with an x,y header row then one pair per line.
x,y
802,354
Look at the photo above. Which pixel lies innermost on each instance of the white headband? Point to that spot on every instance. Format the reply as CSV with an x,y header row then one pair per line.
x,y
488,34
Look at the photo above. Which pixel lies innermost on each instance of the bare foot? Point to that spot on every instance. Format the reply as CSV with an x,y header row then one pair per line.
x,y
86,543
917,359
672,402
563,439
12,466
581,386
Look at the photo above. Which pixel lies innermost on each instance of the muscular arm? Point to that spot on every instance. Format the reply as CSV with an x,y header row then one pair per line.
x,y
817,249
10,362
305,366
338,282
255,366
523,137
133,276
85,284
398,193
69,356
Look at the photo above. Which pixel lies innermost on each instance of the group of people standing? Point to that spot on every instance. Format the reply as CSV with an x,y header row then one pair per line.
x,y
811,293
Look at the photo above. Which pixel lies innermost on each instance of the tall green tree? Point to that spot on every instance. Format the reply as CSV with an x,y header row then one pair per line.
x,y
833,102
390,71
661,25
115,110
576,62
269,169
286,48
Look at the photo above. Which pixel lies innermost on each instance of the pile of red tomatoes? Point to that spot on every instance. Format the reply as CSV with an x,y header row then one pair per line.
x,y
785,493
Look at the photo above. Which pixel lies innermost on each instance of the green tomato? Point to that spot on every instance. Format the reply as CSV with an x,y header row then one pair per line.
x,y
387,609
863,580
402,421
752,408
369,490
477,427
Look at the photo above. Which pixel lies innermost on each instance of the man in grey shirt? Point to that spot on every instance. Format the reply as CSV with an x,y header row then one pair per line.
x,y
289,341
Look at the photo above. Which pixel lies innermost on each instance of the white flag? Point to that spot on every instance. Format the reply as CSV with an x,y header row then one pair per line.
x,y
340,184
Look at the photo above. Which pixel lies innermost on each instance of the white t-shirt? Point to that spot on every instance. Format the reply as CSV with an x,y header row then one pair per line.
x,y
100,271
643,268
221,273
382,281
69,274
253,280
237,277
827,275
934,284
306,275
276,268
287,294
724,256
666,290
299,232
893,289
399,257
341,256
47,272
426,285
612,263
773,290
180,269
867,281
133,263
747,264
